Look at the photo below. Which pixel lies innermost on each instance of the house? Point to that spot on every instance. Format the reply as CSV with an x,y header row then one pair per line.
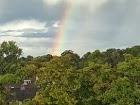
x,y
20,92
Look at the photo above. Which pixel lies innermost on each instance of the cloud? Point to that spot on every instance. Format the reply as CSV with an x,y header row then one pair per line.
x,y
89,25
21,27
30,35
22,10
52,2
30,9
94,2
112,24
33,46
56,24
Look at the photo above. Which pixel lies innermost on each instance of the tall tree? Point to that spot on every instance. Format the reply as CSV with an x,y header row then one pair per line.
x,y
9,57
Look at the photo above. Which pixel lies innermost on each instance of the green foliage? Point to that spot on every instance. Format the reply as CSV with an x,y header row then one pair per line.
x,y
2,95
9,79
122,92
96,57
9,57
111,77
135,51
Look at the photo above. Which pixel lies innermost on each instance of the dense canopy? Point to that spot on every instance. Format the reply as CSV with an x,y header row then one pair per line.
x,y
111,77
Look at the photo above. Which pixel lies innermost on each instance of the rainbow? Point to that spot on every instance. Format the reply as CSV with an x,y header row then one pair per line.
x,y
60,36
68,16
67,19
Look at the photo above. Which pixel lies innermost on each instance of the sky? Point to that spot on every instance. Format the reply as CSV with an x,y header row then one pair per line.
x,y
52,26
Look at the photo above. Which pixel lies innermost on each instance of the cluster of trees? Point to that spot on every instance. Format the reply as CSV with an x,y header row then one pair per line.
x,y
111,77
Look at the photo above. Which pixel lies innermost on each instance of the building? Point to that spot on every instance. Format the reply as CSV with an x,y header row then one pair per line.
x,y
20,92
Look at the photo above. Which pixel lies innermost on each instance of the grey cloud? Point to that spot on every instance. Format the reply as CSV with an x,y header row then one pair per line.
x,y
30,9
33,33
115,24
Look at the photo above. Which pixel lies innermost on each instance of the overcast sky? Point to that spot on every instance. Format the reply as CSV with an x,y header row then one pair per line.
x,y
91,24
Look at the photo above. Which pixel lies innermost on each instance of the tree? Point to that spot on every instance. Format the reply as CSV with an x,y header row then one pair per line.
x,y
70,59
125,89
9,57
130,68
111,77
96,57
135,51
122,92
9,79
2,95
114,56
